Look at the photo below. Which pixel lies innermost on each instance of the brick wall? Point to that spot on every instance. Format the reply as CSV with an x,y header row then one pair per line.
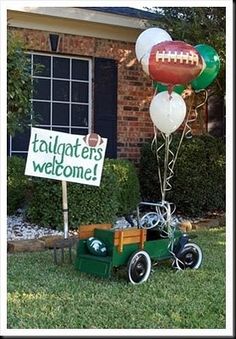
x,y
135,90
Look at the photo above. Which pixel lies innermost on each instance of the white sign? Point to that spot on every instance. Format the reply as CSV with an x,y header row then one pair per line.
x,y
63,156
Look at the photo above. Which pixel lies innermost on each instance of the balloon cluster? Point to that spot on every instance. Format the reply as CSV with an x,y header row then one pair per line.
x,y
174,66
177,69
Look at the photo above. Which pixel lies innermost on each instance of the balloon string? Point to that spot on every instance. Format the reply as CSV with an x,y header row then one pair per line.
x,y
165,211
168,172
166,165
157,150
183,134
188,133
168,186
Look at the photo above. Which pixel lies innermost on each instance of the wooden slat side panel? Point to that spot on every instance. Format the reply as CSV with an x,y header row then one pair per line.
x,y
128,240
86,231
120,241
143,238
85,235
129,236
131,232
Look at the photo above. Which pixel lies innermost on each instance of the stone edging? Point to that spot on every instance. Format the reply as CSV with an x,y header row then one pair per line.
x,y
33,245
47,242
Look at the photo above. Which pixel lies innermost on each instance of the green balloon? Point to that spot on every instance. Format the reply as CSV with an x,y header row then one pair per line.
x,y
210,72
160,87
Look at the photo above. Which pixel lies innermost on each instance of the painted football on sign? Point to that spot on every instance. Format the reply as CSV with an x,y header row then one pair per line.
x,y
93,139
174,62
96,247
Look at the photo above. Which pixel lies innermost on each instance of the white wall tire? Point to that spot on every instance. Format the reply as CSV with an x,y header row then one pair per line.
x,y
190,257
139,267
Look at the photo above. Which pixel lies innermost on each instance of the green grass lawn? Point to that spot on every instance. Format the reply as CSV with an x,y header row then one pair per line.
x,y
43,295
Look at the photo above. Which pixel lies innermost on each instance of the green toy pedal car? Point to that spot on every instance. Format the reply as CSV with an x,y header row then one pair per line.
x,y
101,248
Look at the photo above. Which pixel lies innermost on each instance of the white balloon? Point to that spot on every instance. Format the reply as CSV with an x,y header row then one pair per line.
x,y
167,111
149,38
145,62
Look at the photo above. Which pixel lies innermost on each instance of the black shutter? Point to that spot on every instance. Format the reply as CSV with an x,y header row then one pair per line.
x,y
105,103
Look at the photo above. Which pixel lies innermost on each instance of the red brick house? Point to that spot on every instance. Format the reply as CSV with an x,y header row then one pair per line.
x,y
91,80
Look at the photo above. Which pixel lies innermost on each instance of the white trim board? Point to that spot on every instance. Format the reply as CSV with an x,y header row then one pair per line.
x,y
78,21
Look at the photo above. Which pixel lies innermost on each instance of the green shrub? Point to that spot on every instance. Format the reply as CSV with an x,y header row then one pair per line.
x,y
17,184
87,204
198,183
215,159
128,189
19,84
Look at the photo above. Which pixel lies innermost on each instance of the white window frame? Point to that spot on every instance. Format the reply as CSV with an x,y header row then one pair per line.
x,y
51,101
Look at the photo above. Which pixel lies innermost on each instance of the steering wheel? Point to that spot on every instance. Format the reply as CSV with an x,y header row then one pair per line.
x,y
150,220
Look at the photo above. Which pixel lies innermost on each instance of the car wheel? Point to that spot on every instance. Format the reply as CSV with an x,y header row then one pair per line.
x,y
190,257
139,267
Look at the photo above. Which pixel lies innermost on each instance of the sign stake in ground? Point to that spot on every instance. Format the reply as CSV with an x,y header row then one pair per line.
x,y
65,208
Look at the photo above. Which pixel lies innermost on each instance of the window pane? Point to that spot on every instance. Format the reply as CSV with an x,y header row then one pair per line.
x,y
60,114
41,89
80,69
20,142
79,115
60,90
79,92
61,68
42,112
61,129
79,131
45,65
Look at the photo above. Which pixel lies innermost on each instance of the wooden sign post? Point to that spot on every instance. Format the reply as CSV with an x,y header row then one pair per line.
x,y
65,208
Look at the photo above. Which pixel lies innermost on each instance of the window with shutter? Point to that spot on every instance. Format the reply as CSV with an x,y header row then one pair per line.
x,y
61,98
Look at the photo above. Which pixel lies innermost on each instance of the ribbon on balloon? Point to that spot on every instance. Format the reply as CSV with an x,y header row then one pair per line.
x,y
192,116
169,158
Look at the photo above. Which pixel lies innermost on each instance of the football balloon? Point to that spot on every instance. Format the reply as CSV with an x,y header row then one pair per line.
x,y
173,62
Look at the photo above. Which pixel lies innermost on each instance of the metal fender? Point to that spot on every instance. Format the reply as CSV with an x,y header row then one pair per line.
x,y
184,239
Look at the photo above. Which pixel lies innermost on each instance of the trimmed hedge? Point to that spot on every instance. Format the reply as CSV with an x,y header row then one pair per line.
x,y
17,184
118,194
87,204
198,184
128,189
